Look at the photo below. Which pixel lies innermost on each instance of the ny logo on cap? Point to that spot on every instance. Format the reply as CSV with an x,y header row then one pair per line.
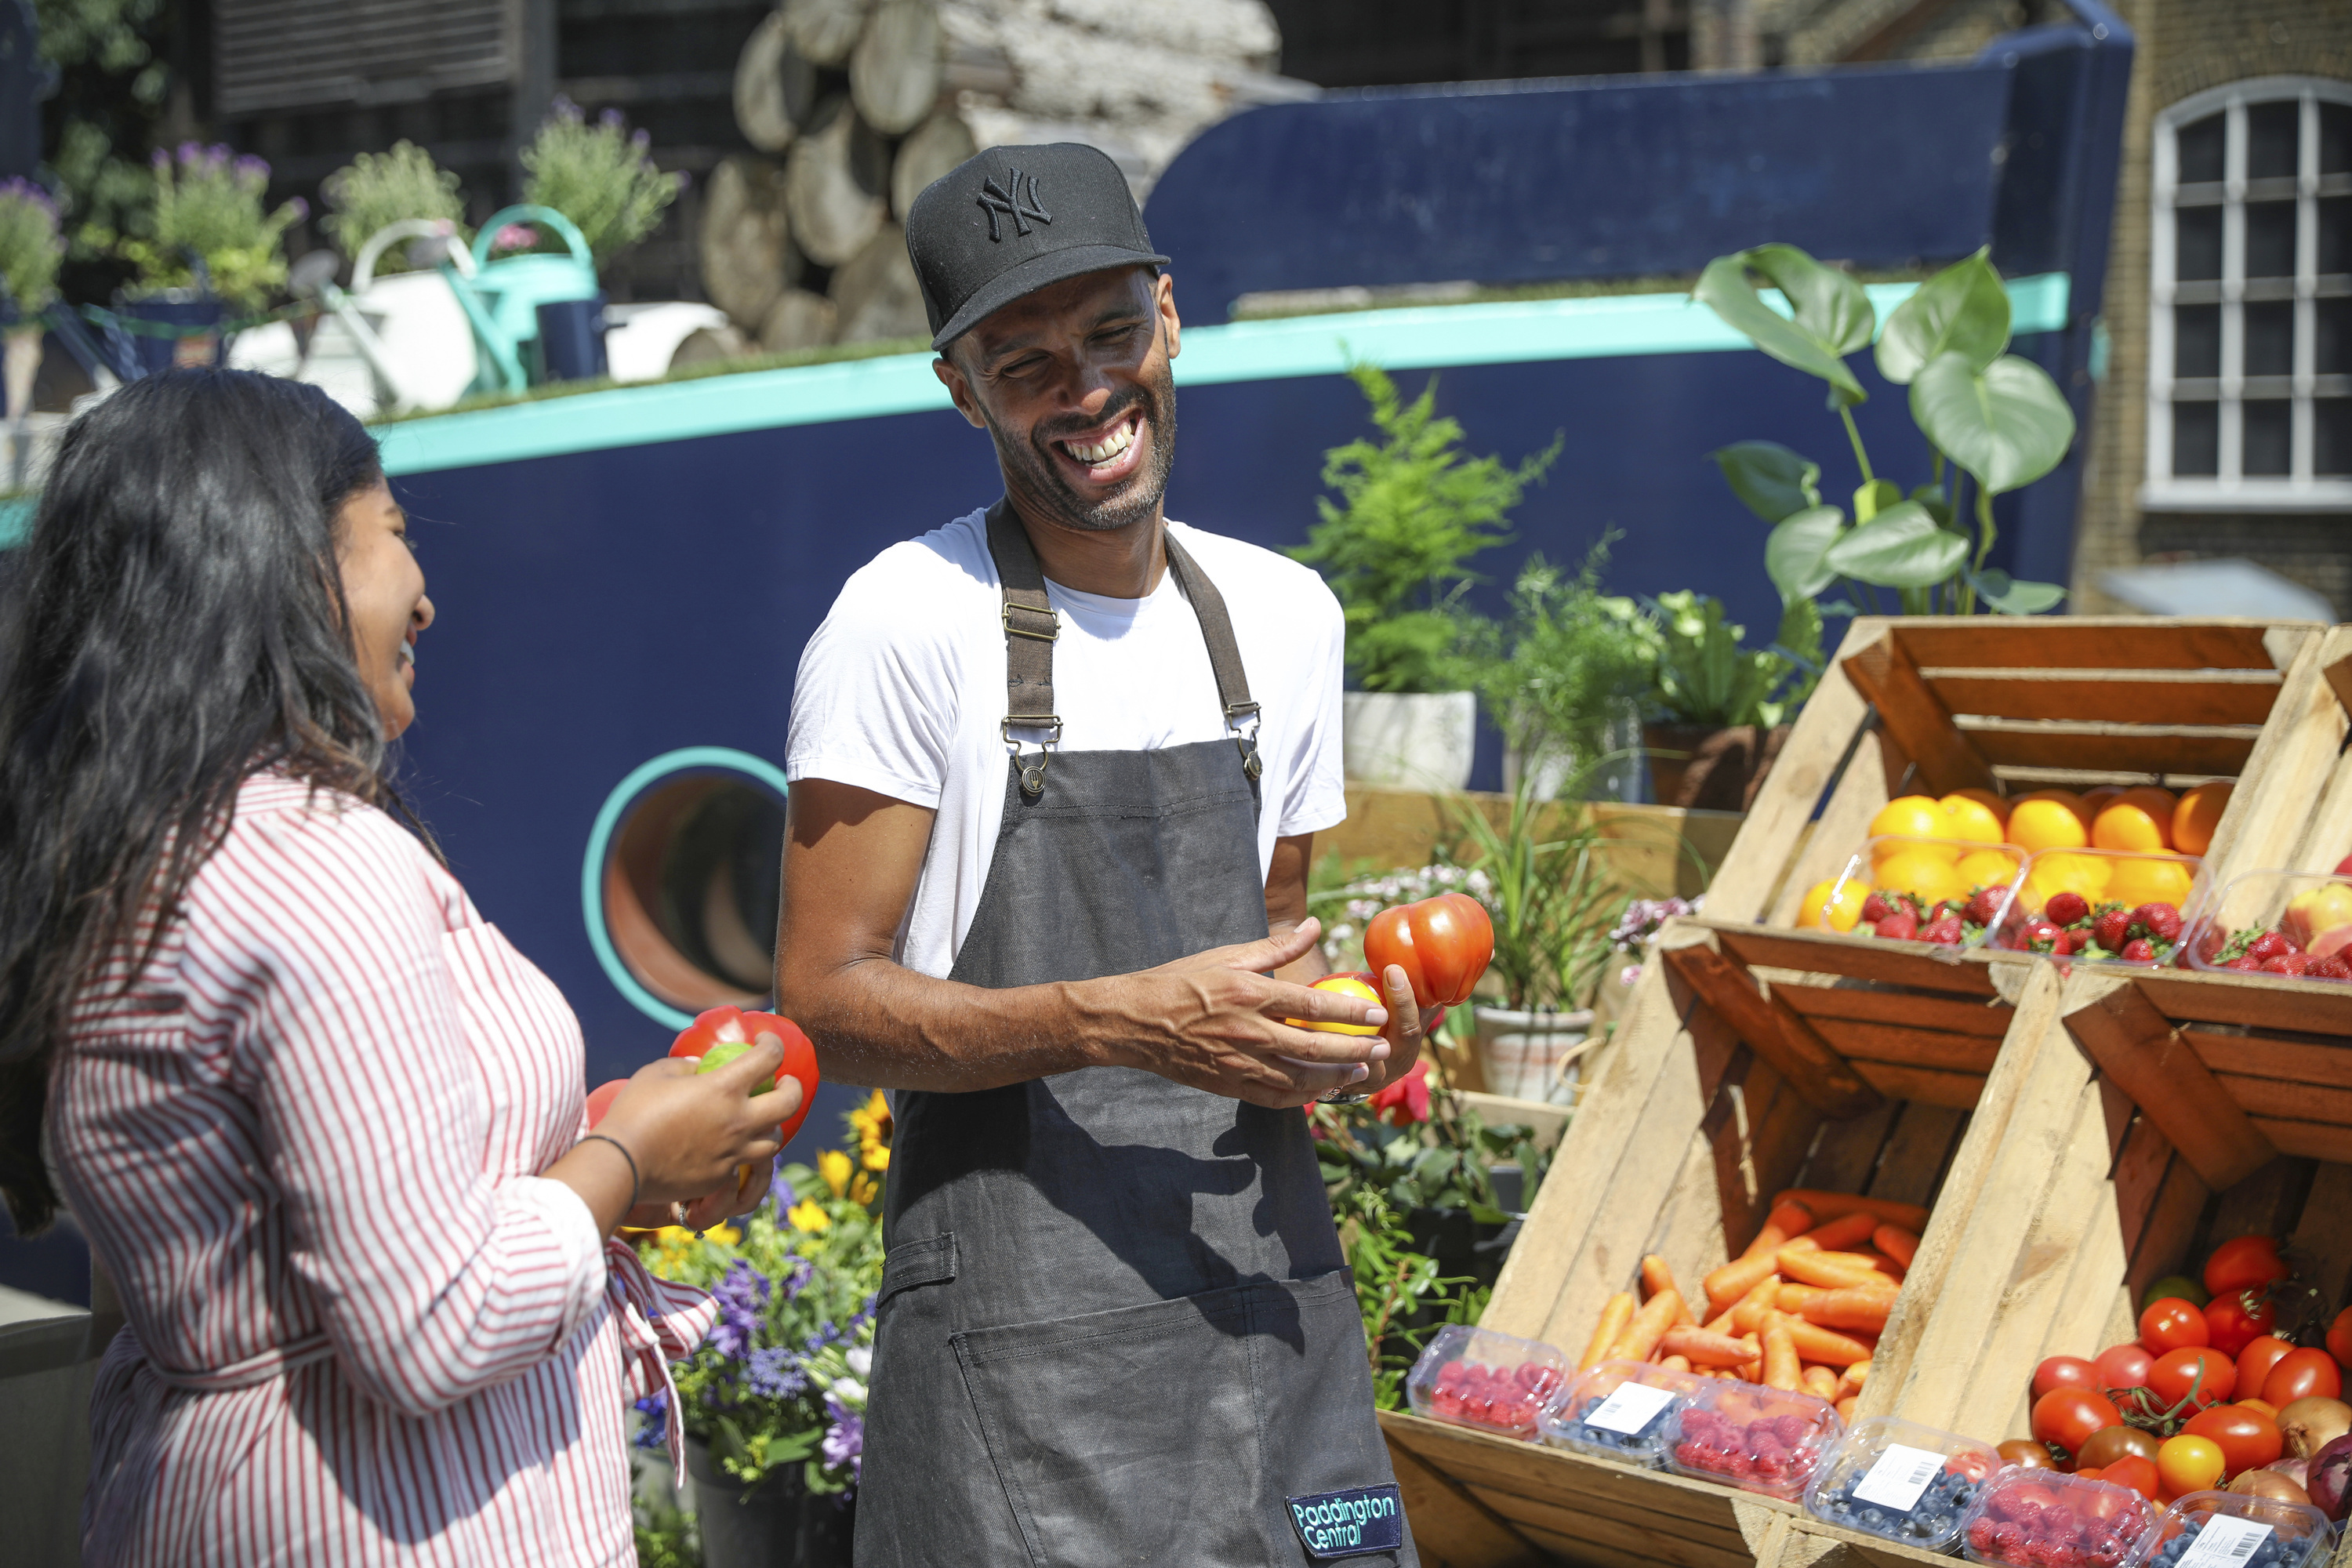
x,y
993,200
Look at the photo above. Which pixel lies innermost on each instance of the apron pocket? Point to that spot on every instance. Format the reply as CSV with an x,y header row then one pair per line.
x,y
1130,1436
931,1262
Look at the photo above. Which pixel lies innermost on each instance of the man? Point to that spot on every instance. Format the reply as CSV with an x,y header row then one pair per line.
x,y
1057,769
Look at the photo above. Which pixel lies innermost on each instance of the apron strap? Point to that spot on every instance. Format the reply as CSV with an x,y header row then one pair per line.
x,y
1032,625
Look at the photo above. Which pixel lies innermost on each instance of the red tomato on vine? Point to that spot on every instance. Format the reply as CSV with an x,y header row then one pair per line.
x,y
2235,1320
2254,1362
2303,1375
2206,1371
2244,1263
2067,1416
2172,1324
2249,1440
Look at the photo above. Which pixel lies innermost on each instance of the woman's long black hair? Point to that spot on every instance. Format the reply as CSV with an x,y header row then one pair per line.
x,y
175,623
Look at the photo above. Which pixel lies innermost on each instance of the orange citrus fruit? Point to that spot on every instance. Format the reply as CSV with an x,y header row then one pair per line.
x,y
2127,824
1915,816
1925,872
2046,823
2066,798
1832,906
1988,868
2153,796
2095,801
2199,813
1971,819
1986,798
2147,880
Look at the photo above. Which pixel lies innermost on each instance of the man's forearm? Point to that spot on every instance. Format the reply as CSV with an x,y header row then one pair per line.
x,y
879,1024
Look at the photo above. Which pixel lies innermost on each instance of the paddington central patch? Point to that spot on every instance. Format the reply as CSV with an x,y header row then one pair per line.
x,y
1349,1524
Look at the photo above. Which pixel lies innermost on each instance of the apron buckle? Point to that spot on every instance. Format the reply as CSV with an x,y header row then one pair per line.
x,y
1236,714
1033,775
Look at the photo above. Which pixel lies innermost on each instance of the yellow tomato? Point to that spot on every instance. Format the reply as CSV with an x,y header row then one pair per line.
x,y
2186,1464
2046,823
2130,824
1924,871
1995,804
1971,819
2197,815
1918,815
1988,868
1354,986
2138,881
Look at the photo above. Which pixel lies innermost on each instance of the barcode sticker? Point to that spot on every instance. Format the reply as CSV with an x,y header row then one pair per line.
x,y
1899,1477
2224,1542
1631,1409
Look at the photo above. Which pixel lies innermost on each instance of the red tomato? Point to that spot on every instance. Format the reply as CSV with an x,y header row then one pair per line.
x,y
2254,1362
731,1024
2135,1472
2303,1375
2124,1366
2248,1441
2340,1339
2247,1263
2213,1375
2235,1320
601,1097
1442,944
2065,1372
2067,1416
2171,1324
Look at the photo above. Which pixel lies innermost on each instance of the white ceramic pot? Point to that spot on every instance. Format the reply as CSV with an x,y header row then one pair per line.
x,y
1521,1053
1412,740
1619,777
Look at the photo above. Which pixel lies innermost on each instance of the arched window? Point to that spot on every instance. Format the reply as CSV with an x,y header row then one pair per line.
x,y
2250,337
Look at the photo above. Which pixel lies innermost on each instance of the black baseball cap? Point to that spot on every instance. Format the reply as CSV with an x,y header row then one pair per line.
x,y
1014,219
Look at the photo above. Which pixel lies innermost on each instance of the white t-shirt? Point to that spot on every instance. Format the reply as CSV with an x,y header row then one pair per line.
x,y
901,691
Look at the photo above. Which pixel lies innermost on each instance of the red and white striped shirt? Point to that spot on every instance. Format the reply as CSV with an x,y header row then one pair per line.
x,y
305,1144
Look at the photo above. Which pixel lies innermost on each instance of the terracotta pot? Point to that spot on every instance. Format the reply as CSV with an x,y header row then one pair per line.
x,y
1708,768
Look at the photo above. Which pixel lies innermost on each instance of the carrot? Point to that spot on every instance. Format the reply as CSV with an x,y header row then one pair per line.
x,y
1648,1327
1657,1278
1832,1236
1820,1382
1829,1205
1849,1309
1752,1372
1676,1363
1781,1368
1727,1284
1831,1271
1827,1346
1749,1315
1845,1409
1850,1381
1704,1349
1897,1243
1792,1298
1613,1319
1787,1220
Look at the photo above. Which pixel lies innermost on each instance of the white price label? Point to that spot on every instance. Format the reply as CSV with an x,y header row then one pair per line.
x,y
1899,1477
1631,1409
2224,1542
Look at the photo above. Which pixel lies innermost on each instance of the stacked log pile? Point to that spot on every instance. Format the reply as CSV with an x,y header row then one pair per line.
x,y
854,106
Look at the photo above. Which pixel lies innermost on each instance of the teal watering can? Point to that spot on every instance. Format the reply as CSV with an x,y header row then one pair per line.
x,y
502,298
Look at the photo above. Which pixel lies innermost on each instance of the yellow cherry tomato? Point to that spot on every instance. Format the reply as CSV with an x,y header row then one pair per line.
x,y
2140,880
1916,816
1354,986
1966,818
2046,825
2186,1464
2197,815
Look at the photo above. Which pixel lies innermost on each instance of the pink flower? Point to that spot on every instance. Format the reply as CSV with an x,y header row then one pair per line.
x,y
1406,1101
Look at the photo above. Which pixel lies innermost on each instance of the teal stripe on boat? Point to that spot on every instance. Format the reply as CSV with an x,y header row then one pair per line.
x,y
1412,338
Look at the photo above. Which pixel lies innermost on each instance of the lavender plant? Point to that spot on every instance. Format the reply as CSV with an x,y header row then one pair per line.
x,y
600,176
208,206
30,248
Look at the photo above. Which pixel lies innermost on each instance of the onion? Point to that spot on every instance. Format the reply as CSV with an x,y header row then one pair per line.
x,y
2331,1478
2268,1484
2310,1424
2296,1470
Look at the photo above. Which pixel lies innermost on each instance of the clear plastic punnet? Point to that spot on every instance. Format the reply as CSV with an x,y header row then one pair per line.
x,y
1902,1481
1758,1439
1476,1377
2230,1530
1935,890
2295,925
1619,1410
2130,907
2044,1519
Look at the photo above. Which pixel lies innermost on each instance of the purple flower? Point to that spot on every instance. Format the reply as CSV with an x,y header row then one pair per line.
x,y
652,1432
640,140
301,208
775,1374
844,1440
741,1296
564,109
611,119
26,191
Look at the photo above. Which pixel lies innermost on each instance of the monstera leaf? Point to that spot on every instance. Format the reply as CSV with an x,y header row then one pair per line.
x,y
1962,310
2007,424
2009,597
1773,481
1901,548
1794,555
1832,315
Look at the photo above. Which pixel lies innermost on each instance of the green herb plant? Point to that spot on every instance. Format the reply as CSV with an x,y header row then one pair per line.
x,y
1412,509
1706,677
30,248
1542,873
207,206
600,176
1564,662
1990,417
375,190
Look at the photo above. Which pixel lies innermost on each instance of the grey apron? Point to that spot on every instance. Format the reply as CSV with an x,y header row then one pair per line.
x,y
1116,1326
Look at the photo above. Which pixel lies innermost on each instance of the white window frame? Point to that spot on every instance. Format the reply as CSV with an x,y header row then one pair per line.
x,y
2299,490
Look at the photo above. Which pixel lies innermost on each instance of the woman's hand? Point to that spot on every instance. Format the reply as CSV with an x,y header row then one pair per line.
x,y
690,1133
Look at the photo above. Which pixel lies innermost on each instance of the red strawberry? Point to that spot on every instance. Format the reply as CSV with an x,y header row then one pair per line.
x,y
2269,945
2158,923
2244,962
2069,941
1984,906
2288,964
2065,909
2111,930
1948,930
1901,926
2332,967
2035,936
2140,950
1875,909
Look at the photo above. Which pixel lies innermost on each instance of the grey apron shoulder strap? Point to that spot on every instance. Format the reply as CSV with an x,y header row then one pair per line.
x,y
1032,625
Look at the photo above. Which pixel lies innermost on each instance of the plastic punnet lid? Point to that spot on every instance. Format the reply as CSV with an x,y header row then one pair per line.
x,y
1477,1377
2104,883
2305,915
1758,1439
1902,1481
2046,1519
2230,1530
1913,876
1619,1410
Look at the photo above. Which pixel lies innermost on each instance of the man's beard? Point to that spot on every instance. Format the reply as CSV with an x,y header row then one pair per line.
x,y
1033,461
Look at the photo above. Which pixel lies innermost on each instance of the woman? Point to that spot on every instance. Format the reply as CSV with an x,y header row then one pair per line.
x,y
323,1125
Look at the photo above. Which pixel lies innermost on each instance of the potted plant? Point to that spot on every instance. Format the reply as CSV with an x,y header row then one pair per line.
x,y
1718,712
1988,415
1562,678
1412,509
774,1400
600,176
30,250
211,249
376,190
